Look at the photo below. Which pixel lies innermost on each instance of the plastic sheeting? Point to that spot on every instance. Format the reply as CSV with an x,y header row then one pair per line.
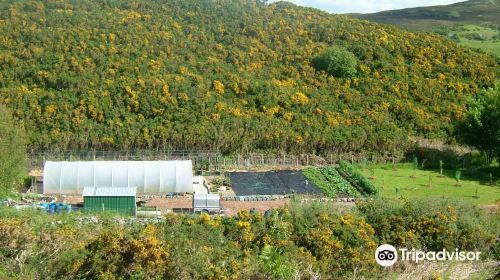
x,y
278,182
154,177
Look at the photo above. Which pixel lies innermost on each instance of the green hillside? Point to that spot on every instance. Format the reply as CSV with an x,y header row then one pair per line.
x,y
425,18
226,75
473,23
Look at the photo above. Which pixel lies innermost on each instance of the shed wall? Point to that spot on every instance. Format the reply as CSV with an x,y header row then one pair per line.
x,y
120,204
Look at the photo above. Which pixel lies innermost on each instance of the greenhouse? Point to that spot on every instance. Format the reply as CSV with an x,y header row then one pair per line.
x,y
148,177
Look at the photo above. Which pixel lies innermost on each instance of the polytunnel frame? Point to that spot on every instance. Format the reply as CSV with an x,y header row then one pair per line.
x,y
148,177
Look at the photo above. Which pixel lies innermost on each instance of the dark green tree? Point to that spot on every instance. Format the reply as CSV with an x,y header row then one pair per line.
x,y
12,153
337,62
481,127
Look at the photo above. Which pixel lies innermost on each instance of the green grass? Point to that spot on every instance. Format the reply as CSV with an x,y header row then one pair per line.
x,y
489,42
388,179
489,46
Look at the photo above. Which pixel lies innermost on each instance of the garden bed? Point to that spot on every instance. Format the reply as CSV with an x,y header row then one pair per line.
x,y
278,182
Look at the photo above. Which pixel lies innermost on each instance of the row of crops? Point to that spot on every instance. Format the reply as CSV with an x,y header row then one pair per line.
x,y
344,180
330,182
358,180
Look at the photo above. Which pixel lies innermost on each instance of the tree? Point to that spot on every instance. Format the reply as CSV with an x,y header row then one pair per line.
x,y
12,153
481,126
337,62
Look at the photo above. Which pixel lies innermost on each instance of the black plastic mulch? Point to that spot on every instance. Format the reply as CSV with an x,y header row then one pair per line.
x,y
277,182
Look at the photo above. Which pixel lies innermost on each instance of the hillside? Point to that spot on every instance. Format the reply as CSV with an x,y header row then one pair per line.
x,y
473,23
226,76
425,18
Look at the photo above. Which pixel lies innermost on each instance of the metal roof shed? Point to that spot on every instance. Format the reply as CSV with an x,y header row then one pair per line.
x,y
121,200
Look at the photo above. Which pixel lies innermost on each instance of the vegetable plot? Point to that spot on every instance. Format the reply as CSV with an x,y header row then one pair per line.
x,y
358,180
328,180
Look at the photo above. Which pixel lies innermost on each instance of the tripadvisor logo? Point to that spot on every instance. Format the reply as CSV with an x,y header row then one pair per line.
x,y
387,255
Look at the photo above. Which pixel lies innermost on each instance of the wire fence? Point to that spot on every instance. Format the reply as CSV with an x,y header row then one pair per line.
x,y
210,161
202,160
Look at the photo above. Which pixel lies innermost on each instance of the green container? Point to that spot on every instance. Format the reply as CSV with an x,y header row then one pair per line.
x,y
119,204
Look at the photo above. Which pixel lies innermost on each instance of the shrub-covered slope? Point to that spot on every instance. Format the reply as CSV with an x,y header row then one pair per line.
x,y
225,75
302,241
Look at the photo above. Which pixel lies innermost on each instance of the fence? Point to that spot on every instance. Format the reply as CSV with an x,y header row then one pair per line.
x,y
210,161
202,160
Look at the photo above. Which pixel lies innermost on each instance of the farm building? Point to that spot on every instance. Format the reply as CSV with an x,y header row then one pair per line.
x,y
121,200
148,177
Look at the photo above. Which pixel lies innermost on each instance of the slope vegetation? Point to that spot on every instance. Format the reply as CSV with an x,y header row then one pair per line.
x,y
226,76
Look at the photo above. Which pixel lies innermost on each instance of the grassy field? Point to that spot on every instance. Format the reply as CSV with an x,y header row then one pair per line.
x,y
478,37
388,179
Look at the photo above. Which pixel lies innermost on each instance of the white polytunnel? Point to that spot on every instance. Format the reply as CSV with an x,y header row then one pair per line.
x,y
151,177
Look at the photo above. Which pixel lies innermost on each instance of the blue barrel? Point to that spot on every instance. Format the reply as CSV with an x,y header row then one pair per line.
x,y
68,208
45,206
52,208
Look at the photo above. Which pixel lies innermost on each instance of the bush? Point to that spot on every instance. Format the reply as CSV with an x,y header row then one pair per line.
x,y
12,153
483,119
304,241
432,224
337,62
